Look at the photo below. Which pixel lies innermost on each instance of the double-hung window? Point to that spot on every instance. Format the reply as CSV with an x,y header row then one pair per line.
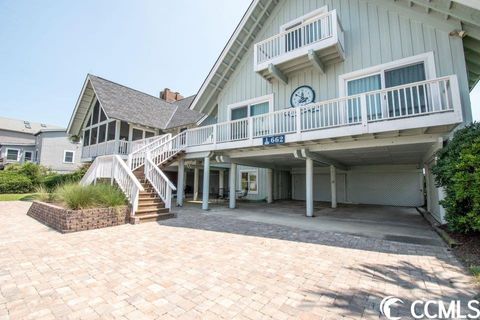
x,y
13,154
390,103
68,156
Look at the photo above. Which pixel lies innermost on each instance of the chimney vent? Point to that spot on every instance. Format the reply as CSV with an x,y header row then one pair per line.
x,y
170,96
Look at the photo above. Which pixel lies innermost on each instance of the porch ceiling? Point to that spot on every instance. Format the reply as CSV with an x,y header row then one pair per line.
x,y
382,155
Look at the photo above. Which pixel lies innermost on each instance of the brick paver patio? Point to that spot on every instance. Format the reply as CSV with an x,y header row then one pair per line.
x,y
171,271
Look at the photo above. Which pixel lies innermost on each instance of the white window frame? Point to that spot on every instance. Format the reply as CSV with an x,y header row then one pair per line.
x,y
73,156
249,171
18,154
427,58
25,156
248,103
143,129
301,20
98,124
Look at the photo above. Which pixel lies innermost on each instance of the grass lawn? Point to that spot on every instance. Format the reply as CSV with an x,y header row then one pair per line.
x,y
15,196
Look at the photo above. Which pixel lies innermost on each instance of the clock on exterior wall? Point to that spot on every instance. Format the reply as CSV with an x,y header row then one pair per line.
x,y
302,96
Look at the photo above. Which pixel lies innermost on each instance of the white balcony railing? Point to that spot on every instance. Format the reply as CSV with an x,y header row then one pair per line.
x,y
311,34
377,109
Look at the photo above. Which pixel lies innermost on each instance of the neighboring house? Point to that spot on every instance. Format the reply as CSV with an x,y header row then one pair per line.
x,y
112,118
315,100
56,151
25,141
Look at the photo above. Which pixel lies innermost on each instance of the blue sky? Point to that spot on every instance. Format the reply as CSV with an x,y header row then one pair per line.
x,y
48,47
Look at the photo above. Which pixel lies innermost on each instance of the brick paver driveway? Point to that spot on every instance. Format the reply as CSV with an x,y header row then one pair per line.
x,y
170,271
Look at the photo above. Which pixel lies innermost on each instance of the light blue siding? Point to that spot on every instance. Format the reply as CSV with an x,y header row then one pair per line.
x,y
376,32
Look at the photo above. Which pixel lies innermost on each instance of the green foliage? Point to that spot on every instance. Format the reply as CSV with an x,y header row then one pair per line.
x,y
17,196
475,270
53,180
108,195
43,194
75,196
13,182
458,171
31,170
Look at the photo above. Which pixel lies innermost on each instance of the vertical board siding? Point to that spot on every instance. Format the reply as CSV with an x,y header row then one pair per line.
x,y
376,32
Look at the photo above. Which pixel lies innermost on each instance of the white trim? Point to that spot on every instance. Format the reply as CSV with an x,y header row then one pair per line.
x,y
247,103
302,19
65,153
427,58
18,154
254,171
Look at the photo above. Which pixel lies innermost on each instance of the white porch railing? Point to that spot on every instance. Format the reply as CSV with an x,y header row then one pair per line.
x,y
113,167
160,182
412,100
120,147
309,35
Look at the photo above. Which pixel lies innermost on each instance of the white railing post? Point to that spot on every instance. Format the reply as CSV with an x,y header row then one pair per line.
x,y
250,128
214,134
363,111
298,119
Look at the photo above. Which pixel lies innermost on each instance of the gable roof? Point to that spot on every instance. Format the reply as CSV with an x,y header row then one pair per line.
x,y
25,126
126,104
467,12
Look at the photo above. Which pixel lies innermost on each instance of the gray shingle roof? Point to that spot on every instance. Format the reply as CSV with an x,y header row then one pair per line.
x,y
183,115
25,126
123,103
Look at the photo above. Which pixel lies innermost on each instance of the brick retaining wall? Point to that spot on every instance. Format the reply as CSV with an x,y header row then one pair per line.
x,y
65,220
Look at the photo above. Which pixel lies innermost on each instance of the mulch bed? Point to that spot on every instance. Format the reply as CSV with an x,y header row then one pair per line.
x,y
468,249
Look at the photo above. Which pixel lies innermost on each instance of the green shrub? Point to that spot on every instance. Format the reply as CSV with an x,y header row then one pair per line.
x,y
54,180
75,196
13,182
458,171
108,195
43,194
31,170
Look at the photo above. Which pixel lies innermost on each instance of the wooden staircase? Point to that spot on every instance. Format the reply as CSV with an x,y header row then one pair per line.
x,y
150,205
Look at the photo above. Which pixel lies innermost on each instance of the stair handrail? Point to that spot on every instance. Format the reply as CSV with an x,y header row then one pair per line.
x,y
113,167
171,147
159,181
138,144
137,158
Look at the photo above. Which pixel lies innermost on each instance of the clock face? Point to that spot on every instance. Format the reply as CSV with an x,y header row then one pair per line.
x,y
302,96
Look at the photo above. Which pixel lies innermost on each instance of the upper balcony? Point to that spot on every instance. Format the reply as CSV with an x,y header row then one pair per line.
x,y
315,42
433,106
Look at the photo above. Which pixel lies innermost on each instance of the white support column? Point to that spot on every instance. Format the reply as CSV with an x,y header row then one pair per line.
x,y
180,182
232,181
196,178
206,182
309,186
333,186
221,182
269,185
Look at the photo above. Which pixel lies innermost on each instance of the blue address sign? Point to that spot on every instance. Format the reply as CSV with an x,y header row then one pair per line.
x,y
274,140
